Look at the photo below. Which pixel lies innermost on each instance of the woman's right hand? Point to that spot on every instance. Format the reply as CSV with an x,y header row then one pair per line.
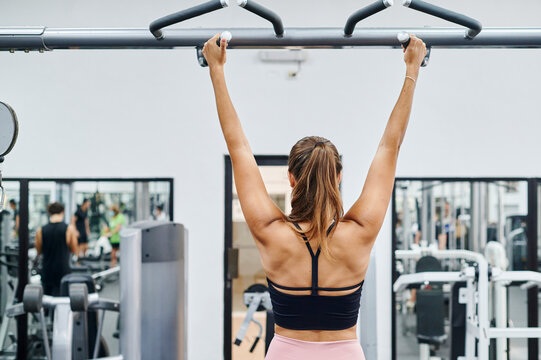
x,y
215,55
415,53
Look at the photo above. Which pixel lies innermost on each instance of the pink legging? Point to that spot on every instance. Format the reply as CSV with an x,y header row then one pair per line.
x,y
284,348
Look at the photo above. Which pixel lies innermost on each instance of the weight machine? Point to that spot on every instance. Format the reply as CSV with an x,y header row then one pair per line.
x,y
475,295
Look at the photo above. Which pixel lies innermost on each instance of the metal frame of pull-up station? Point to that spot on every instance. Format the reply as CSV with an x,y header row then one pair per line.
x,y
158,36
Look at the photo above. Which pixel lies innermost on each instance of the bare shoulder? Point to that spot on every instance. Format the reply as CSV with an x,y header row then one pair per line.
x,y
355,232
351,239
276,241
275,234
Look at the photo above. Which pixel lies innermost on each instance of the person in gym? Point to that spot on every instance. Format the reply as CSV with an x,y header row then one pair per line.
x,y
15,213
56,241
80,222
160,214
113,231
315,298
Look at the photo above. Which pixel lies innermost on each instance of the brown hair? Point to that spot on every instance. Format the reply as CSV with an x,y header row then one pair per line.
x,y
55,208
115,208
315,163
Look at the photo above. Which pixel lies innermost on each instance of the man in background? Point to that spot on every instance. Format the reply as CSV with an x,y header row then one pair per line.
x,y
80,222
56,241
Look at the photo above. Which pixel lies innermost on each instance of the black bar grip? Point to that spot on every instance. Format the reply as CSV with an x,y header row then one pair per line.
x,y
198,10
365,12
474,26
404,39
255,344
265,13
199,50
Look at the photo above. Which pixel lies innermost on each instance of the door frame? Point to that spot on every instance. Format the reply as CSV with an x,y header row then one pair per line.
x,y
261,160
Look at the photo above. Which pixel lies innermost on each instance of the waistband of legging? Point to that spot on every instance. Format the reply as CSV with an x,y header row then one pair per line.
x,y
295,341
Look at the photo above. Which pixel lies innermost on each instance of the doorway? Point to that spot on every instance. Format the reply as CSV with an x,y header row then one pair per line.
x,y
242,266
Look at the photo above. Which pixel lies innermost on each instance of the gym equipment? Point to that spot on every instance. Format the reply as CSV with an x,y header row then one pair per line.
x,y
157,25
363,13
475,295
429,309
201,58
9,129
72,327
265,13
8,284
496,257
404,39
42,38
256,298
153,291
474,26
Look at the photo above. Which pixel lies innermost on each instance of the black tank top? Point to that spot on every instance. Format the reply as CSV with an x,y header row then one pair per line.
x,y
314,311
56,254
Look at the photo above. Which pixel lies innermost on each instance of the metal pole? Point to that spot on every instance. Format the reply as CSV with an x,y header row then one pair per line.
x,y
365,12
43,38
406,218
22,321
532,263
501,215
265,13
130,288
425,213
157,25
474,26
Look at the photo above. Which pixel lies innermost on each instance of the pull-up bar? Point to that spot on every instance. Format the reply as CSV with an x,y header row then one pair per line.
x,y
265,13
43,38
365,12
212,5
474,26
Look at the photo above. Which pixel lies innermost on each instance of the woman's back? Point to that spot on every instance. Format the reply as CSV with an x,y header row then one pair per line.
x,y
287,261
315,297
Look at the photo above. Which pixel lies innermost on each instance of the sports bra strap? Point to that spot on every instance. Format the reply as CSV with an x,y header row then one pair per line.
x,y
315,258
342,288
290,288
273,284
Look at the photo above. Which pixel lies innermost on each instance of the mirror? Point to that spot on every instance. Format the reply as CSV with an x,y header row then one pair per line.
x,y
9,129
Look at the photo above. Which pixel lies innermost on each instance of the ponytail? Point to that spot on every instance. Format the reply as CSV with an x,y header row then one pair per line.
x,y
316,165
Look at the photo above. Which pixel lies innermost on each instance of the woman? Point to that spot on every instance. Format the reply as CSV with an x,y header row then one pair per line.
x,y
113,231
315,298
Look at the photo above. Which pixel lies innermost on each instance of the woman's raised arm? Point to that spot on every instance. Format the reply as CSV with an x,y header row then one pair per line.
x,y
369,210
258,208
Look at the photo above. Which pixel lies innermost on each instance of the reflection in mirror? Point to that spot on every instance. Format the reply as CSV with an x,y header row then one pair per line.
x,y
434,221
9,129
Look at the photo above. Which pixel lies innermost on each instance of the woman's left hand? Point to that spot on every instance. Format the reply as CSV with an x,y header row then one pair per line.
x,y
215,55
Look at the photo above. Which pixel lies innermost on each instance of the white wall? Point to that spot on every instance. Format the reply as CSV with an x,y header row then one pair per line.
x,y
151,113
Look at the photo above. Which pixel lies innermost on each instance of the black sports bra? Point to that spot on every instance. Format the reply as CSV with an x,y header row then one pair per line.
x,y
314,311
